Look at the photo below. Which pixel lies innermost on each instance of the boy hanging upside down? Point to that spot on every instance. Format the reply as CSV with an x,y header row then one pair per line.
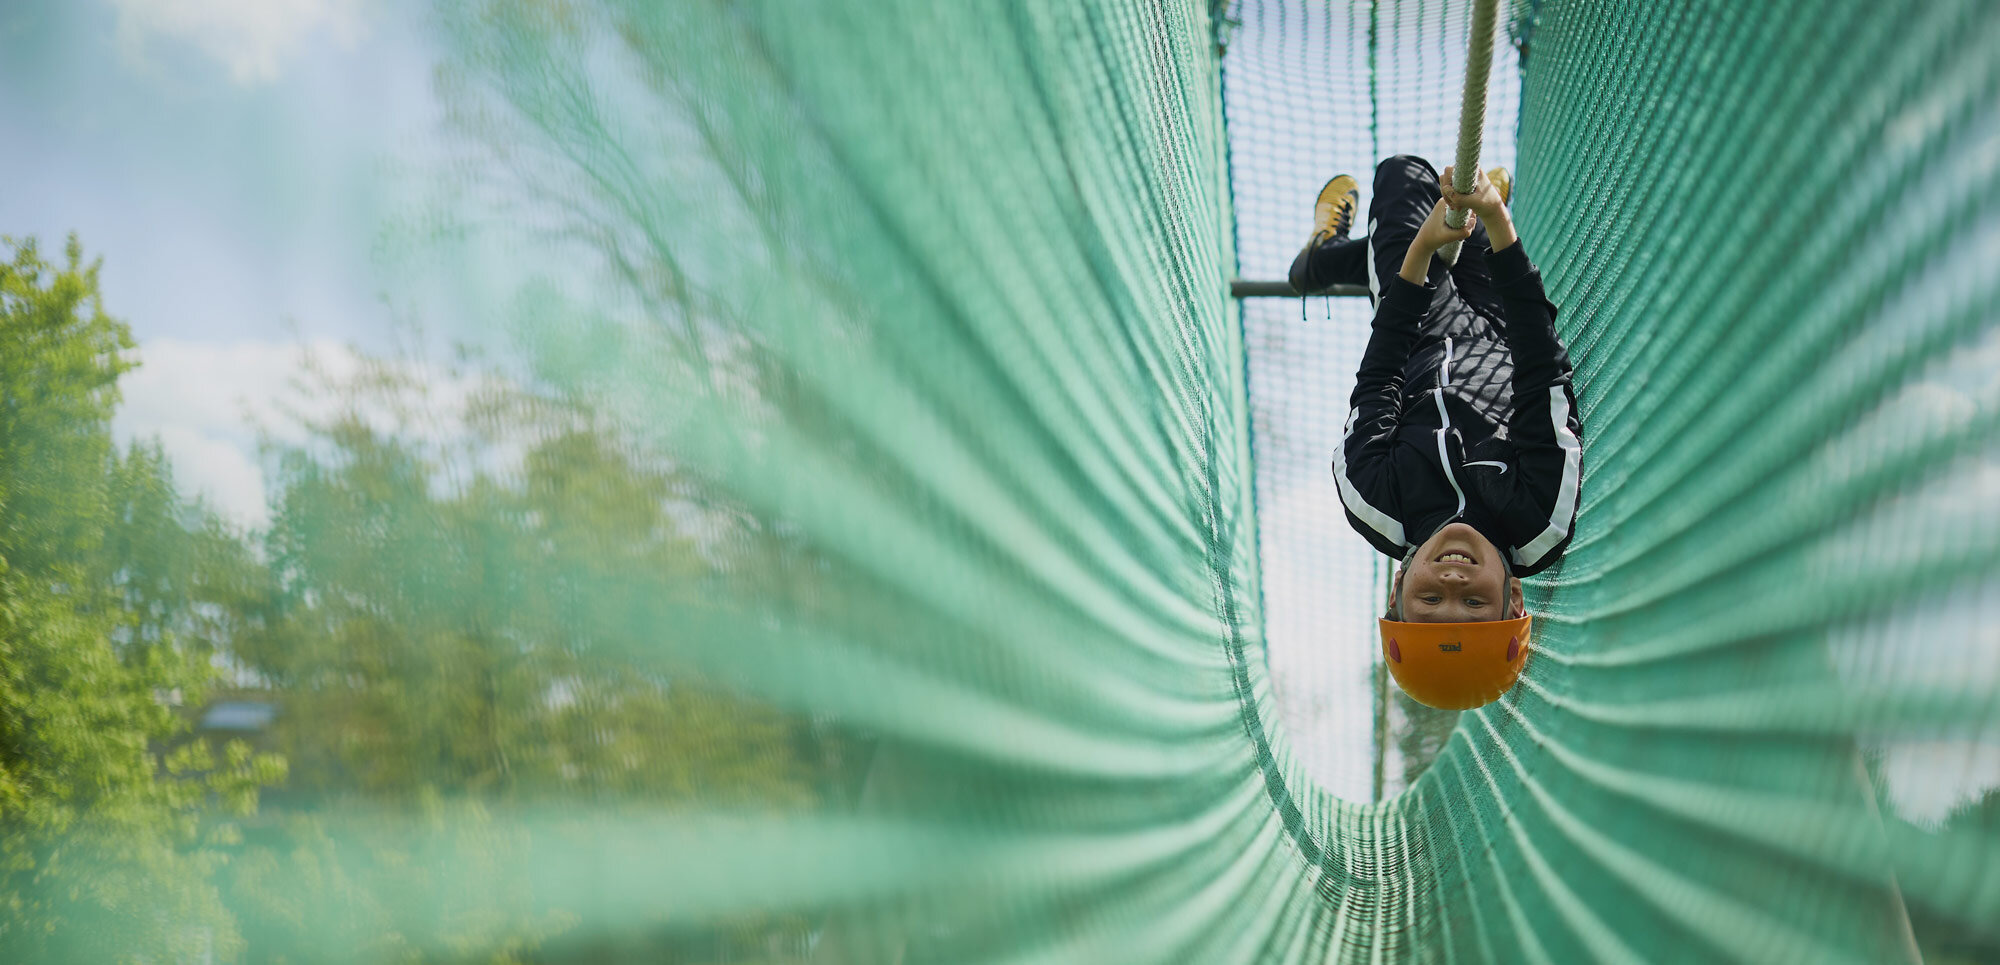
x,y
1462,453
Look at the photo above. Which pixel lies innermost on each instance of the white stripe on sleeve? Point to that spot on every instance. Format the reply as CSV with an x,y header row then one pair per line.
x,y
1565,510
1350,497
1374,283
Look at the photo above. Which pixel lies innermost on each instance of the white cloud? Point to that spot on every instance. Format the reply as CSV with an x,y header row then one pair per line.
x,y
252,38
222,473
210,404
1940,644
206,403
1927,780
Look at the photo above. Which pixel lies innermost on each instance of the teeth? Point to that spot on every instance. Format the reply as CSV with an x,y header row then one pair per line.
x,y
1455,558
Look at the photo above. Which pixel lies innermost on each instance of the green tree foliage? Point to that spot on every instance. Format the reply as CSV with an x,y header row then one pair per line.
x,y
462,628
104,633
1946,941
468,615
455,613
1421,735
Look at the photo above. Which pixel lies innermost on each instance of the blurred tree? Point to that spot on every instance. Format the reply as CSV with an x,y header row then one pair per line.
x,y
451,623
1421,735
473,619
104,634
1945,938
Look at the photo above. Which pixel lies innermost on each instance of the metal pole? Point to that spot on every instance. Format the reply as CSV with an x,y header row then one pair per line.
x,y
1244,288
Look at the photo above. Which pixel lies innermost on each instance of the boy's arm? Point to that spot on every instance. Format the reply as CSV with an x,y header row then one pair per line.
x,y
1543,428
1364,466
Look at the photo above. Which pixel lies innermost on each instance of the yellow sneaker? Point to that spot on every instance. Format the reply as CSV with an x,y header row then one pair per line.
x,y
1502,182
1333,216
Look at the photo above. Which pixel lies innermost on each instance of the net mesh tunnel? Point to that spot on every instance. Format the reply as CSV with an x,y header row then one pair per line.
x,y
1696,759
1013,617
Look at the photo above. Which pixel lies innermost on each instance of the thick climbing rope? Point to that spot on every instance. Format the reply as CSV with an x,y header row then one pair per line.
x,y
1471,116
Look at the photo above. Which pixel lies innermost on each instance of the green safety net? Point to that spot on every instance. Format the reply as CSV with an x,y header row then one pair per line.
x,y
888,542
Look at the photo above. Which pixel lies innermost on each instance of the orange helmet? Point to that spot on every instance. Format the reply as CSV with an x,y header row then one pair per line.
x,y
1456,666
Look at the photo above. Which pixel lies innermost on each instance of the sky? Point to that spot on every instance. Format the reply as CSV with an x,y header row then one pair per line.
x,y
232,162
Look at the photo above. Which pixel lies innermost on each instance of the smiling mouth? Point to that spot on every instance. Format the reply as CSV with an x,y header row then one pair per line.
x,y
1456,557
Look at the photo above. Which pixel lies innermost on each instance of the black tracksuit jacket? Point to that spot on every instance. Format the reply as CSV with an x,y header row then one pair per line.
x,y
1462,410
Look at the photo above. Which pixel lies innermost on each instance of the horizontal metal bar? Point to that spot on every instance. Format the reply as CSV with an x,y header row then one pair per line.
x,y
1243,288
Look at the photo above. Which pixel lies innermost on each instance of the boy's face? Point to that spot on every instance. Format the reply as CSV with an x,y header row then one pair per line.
x,y
1457,576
